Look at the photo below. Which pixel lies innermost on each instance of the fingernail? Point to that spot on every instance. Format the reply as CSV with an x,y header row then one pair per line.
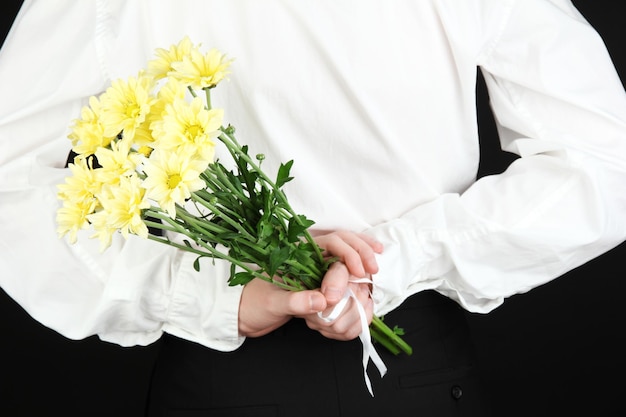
x,y
317,303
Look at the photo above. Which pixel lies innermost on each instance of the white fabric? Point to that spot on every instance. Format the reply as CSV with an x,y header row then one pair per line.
x,y
375,102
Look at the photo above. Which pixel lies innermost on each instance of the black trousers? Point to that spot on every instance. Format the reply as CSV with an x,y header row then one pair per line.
x,y
296,372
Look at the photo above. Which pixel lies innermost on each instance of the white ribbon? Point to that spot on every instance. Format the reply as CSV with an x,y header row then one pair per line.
x,y
369,352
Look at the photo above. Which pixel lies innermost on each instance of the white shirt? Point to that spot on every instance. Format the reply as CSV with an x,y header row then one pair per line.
x,y
375,103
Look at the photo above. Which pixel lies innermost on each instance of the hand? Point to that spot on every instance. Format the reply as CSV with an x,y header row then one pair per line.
x,y
356,253
348,325
265,307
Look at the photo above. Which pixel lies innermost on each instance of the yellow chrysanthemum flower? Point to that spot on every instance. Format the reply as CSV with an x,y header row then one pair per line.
x,y
162,64
189,127
143,134
125,105
87,133
103,230
201,70
82,186
122,207
171,90
172,177
116,162
72,217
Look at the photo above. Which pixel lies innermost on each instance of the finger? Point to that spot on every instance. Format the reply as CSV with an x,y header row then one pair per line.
x,y
299,303
348,324
346,327
357,251
364,297
335,282
372,242
362,292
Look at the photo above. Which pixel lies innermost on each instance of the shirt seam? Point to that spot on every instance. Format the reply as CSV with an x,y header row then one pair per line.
x,y
496,39
101,33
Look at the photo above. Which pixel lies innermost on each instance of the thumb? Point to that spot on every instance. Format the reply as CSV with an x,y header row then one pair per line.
x,y
299,303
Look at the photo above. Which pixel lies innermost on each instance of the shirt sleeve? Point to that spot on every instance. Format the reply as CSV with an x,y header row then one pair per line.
x,y
559,104
53,59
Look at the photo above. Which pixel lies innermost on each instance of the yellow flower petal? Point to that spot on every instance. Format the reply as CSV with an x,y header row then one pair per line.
x,y
126,105
171,177
162,64
201,70
189,127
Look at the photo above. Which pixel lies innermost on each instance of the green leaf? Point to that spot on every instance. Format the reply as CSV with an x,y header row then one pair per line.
x,y
283,174
297,226
398,330
277,257
305,254
233,269
240,278
196,264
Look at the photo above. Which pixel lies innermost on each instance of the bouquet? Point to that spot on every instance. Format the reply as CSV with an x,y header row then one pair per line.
x,y
145,165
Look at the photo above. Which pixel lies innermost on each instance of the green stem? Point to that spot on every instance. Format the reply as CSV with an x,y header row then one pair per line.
x,y
217,211
207,93
232,144
378,337
311,271
209,251
221,180
160,225
379,325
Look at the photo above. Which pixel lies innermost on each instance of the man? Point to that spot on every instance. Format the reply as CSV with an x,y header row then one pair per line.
x,y
444,262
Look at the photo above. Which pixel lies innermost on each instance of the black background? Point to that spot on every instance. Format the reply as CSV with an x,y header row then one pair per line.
x,y
557,350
